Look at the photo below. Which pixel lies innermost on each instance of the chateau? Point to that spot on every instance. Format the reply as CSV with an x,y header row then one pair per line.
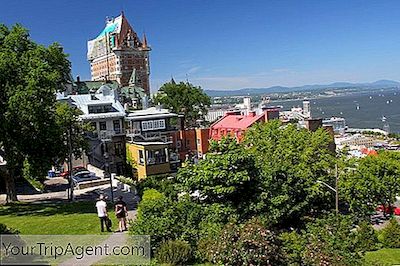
x,y
117,53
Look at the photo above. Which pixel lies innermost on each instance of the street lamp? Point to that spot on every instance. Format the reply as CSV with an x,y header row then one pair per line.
x,y
336,189
104,138
336,194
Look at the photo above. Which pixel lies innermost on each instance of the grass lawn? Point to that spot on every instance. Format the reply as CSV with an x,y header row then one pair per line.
x,y
389,256
54,218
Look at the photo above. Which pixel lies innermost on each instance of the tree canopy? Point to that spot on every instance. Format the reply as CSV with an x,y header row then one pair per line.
x,y
184,98
30,75
273,173
371,181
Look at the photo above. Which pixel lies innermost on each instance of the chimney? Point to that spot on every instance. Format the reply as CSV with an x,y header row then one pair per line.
x,y
252,114
145,102
313,124
271,113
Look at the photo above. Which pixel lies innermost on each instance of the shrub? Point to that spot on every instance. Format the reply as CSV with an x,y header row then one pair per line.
x,y
160,183
367,239
292,246
164,219
4,230
152,218
390,235
248,244
174,252
332,241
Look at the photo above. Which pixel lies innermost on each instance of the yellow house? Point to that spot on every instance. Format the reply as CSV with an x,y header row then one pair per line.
x,y
151,158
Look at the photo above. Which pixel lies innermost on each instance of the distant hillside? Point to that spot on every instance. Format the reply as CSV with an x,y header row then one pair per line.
x,y
274,89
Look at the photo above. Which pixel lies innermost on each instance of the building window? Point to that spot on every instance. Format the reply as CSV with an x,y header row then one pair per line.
x,y
156,157
153,124
98,109
144,125
103,125
198,141
117,126
141,157
94,126
118,148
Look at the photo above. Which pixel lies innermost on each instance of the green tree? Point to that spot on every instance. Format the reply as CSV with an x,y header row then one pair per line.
x,y
227,175
30,75
332,241
184,98
290,162
71,132
390,235
373,180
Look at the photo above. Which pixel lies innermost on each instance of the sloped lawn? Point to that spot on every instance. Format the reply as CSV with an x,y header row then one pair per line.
x,y
54,218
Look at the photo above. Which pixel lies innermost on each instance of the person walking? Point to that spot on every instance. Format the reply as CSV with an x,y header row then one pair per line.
x,y
121,211
101,207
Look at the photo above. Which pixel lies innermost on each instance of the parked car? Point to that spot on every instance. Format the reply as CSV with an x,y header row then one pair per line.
x,y
394,210
84,176
75,171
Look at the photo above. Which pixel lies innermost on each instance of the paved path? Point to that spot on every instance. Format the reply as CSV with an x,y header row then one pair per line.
x,y
116,239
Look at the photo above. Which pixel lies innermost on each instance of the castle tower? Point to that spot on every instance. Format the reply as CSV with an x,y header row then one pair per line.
x,y
118,51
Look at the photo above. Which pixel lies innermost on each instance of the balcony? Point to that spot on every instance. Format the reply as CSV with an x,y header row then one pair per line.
x,y
106,134
133,132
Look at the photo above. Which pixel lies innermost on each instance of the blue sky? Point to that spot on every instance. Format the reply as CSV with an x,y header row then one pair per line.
x,y
229,44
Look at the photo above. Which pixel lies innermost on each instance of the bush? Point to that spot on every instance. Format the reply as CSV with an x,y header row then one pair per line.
x,y
160,183
248,244
174,252
4,230
152,218
164,219
332,241
126,180
293,247
367,239
390,235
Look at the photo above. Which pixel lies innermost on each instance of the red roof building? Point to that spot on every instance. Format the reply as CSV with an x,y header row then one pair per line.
x,y
367,152
235,124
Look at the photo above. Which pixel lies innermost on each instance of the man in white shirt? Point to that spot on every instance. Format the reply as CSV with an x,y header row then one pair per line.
x,y
101,207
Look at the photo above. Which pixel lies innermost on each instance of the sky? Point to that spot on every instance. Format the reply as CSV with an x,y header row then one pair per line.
x,y
230,44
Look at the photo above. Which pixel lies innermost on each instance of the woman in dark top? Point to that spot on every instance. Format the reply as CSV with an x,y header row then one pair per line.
x,y
121,211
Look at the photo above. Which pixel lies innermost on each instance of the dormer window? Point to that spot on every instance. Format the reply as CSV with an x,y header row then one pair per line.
x,y
98,109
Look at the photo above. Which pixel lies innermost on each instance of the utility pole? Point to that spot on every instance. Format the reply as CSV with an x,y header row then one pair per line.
x,y
337,189
107,169
71,183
